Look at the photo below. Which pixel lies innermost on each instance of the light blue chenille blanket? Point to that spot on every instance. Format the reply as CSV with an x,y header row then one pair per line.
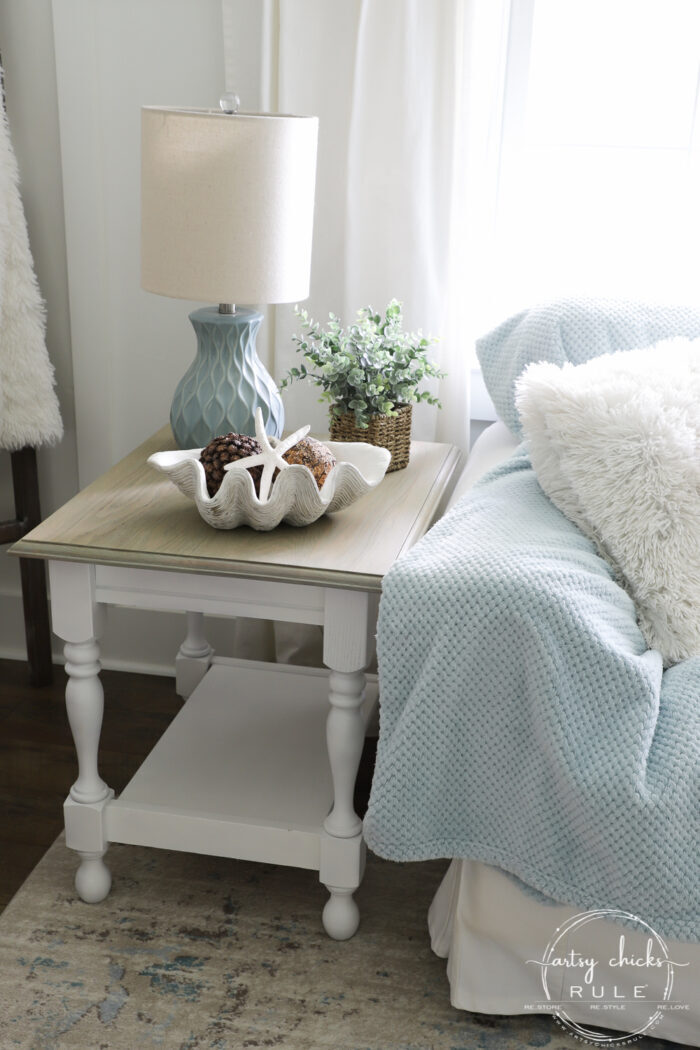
x,y
523,721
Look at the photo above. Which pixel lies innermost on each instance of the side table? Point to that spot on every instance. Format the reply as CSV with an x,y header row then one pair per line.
x,y
260,763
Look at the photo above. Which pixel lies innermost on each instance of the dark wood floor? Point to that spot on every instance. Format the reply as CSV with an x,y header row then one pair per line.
x,y
37,761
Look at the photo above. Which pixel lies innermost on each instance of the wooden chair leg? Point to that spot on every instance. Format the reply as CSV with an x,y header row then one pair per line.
x,y
25,480
36,620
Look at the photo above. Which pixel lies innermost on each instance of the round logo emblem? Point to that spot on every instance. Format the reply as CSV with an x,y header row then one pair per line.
x,y
595,969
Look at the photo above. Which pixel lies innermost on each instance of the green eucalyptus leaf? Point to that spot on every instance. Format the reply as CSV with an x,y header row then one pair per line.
x,y
368,367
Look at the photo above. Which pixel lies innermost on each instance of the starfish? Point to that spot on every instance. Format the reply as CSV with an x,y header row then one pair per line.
x,y
271,456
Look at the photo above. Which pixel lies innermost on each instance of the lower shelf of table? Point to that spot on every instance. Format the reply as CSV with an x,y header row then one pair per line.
x,y
242,771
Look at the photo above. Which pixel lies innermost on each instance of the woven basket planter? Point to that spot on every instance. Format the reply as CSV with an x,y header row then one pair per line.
x,y
390,432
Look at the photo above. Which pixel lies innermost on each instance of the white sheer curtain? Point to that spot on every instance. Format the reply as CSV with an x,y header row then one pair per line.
x,y
409,97
422,175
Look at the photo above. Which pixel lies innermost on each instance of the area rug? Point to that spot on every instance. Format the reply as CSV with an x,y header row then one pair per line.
x,y
200,953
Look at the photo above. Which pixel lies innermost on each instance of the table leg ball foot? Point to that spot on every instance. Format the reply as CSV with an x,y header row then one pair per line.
x,y
92,879
341,916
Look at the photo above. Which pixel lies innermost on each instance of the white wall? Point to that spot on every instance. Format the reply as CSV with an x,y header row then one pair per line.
x,y
129,348
26,44
77,73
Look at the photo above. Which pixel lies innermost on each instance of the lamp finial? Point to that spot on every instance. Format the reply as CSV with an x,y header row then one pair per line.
x,y
230,102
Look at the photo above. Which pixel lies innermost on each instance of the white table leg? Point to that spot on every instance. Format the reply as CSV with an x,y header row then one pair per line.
x,y
346,651
85,706
77,620
194,656
345,737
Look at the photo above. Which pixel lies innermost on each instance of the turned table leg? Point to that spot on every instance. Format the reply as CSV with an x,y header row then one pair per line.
x,y
345,735
194,656
85,706
77,620
346,651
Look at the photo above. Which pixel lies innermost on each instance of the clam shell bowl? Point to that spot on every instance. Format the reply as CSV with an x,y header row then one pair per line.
x,y
294,496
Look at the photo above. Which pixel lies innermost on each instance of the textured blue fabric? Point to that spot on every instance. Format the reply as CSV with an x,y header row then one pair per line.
x,y
572,330
523,721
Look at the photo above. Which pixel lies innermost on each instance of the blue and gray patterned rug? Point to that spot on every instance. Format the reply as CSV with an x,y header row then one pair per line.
x,y
200,953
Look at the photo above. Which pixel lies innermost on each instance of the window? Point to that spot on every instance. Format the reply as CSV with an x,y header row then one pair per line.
x,y
599,187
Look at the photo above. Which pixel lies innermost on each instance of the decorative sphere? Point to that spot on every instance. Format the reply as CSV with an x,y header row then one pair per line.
x,y
312,454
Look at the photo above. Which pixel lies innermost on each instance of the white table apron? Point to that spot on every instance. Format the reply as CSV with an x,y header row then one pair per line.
x,y
192,790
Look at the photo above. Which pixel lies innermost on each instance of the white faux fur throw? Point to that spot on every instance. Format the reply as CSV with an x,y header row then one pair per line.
x,y
29,412
615,444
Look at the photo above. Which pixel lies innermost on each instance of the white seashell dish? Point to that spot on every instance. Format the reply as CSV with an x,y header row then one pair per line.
x,y
294,496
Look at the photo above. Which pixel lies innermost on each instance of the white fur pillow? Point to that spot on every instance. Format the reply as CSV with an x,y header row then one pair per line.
x,y
615,444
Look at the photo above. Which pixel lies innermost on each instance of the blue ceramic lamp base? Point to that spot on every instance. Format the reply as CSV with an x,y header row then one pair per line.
x,y
225,383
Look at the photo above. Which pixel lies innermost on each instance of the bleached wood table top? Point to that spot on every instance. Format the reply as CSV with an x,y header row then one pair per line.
x,y
134,517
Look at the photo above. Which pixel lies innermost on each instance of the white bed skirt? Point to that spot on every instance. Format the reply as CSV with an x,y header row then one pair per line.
x,y
486,927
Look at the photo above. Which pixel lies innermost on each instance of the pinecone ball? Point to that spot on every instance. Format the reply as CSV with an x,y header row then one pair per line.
x,y
314,455
228,449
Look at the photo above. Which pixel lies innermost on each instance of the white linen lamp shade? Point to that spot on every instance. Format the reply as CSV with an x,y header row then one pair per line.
x,y
227,205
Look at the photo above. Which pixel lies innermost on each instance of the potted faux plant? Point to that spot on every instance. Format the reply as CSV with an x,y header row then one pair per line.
x,y
370,372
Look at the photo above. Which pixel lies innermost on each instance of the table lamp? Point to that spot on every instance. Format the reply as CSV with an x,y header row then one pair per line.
x,y
227,204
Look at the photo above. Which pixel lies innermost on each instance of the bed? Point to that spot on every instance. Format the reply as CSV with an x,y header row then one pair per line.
x,y
487,927
530,731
